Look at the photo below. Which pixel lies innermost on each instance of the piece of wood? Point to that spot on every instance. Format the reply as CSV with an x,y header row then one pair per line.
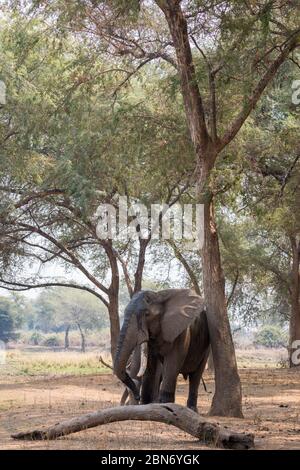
x,y
105,363
170,413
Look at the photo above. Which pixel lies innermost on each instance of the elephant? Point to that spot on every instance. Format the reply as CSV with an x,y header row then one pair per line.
x,y
171,325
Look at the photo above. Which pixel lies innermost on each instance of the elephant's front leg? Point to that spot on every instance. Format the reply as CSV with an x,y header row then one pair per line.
x,y
168,387
171,368
149,382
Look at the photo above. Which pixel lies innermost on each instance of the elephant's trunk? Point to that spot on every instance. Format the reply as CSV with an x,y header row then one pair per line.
x,y
127,342
144,359
123,353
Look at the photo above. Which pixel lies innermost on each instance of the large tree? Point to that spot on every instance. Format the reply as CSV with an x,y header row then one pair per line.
x,y
209,140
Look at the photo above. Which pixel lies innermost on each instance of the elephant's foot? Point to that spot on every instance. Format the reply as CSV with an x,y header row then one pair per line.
x,y
166,397
193,408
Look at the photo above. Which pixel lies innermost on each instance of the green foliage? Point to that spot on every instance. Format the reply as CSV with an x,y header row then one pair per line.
x,y
44,319
262,206
6,321
36,338
128,8
21,310
75,127
271,336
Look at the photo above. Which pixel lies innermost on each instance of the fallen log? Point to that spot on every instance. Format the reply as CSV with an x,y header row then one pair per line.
x,y
170,413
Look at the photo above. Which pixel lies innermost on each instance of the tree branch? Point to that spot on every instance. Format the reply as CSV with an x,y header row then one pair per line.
x,y
143,243
13,286
39,195
186,266
230,297
256,93
75,261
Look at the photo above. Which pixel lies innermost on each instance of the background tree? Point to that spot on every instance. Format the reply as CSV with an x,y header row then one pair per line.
x,y
6,321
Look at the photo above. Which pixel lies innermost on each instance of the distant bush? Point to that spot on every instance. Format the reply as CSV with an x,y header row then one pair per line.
x,y
52,341
271,336
36,338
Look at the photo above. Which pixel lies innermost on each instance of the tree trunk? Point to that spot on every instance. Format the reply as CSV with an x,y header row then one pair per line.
x,y
67,344
113,295
294,333
169,413
227,400
82,338
113,310
138,275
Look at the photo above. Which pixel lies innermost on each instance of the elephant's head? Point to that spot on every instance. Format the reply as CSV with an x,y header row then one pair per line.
x,y
166,313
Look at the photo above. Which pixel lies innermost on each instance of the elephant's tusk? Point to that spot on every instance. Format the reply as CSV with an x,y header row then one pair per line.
x,y
144,359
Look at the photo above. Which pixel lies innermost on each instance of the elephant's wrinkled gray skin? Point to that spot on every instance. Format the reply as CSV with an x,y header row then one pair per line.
x,y
173,323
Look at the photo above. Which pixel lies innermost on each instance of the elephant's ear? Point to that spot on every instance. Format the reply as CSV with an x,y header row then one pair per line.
x,y
181,309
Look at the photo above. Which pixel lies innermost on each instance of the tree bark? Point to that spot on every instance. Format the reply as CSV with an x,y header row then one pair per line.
x,y
113,295
227,400
170,413
294,330
138,275
67,343
113,311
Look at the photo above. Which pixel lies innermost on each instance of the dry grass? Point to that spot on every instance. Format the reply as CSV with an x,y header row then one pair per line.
x,y
44,363
256,358
39,361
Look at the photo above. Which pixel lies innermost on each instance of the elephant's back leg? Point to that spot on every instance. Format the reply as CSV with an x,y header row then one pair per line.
x,y
157,381
194,381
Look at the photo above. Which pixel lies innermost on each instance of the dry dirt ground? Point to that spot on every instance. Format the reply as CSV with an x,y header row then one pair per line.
x,y
271,408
